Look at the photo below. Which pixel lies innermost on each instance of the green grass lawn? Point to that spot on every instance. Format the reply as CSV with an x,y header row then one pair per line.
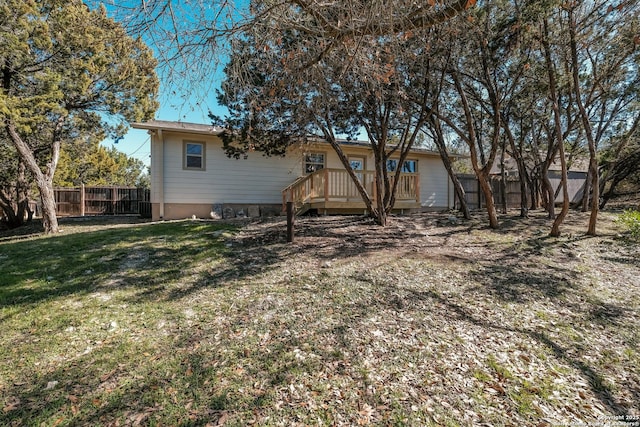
x,y
200,323
95,326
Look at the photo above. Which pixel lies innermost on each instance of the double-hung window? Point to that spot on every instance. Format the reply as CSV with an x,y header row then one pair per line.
x,y
193,157
314,162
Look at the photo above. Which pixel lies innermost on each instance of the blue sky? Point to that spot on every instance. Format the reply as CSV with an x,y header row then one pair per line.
x,y
178,107
180,99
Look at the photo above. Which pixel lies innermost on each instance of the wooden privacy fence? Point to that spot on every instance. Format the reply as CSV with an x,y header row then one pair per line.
x,y
475,199
82,201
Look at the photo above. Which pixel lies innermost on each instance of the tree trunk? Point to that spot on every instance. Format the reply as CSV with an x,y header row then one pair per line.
x,y
44,181
14,201
534,189
22,195
381,213
487,191
7,207
482,172
548,195
593,162
47,197
522,171
458,189
555,229
446,160
378,214
503,181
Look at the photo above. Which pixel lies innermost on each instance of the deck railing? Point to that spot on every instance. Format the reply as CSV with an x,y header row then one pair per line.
x,y
336,185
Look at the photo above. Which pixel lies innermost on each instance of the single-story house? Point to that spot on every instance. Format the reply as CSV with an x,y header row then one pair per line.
x,y
191,175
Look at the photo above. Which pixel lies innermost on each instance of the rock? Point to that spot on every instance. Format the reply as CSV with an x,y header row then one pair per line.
x,y
253,211
228,212
216,211
110,326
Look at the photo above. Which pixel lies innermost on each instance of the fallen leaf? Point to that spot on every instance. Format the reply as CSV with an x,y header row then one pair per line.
x,y
12,404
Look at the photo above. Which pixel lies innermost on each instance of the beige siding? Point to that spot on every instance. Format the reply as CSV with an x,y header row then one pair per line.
x,y
435,190
257,179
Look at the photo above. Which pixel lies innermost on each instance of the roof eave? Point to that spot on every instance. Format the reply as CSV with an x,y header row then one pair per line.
x,y
193,128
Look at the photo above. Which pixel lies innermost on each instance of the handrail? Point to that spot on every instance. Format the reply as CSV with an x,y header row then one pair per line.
x,y
297,180
295,193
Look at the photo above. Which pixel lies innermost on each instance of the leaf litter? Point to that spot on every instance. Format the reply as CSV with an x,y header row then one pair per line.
x,y
424,322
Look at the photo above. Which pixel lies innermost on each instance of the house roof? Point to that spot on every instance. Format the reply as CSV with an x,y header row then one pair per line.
x,y
367,144
578,164
197,128
179,126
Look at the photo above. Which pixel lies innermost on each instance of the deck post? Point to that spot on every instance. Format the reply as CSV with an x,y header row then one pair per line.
x,y
290,222
326,185
375,188
417,187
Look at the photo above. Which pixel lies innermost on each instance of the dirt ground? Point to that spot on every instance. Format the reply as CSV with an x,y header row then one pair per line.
x,y
432,317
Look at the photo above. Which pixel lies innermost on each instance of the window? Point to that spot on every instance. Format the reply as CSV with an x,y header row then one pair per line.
x,y
410,166
313,162
193,155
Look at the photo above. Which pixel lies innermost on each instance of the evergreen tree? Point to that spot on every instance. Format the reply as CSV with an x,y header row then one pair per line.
x,y
64,68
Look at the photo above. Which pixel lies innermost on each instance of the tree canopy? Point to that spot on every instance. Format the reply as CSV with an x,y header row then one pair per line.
x,y
68,73
543,82
90,163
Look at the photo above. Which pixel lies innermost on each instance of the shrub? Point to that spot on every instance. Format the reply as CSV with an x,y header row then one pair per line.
x,y
631,219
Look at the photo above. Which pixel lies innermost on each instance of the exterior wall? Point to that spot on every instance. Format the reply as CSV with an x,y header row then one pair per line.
x,y
575,185
258,180
182,193
436,190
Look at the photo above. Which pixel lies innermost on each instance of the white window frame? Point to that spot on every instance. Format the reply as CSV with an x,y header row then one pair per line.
x,y
186,155
307,164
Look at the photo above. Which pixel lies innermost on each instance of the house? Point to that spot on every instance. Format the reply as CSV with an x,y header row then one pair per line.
x,y
191,175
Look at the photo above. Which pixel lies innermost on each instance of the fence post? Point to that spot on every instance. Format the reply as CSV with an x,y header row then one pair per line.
x,y
290,222
114,200
82,199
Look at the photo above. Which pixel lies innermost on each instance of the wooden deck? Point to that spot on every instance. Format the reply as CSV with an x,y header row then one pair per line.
x,y
333,191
